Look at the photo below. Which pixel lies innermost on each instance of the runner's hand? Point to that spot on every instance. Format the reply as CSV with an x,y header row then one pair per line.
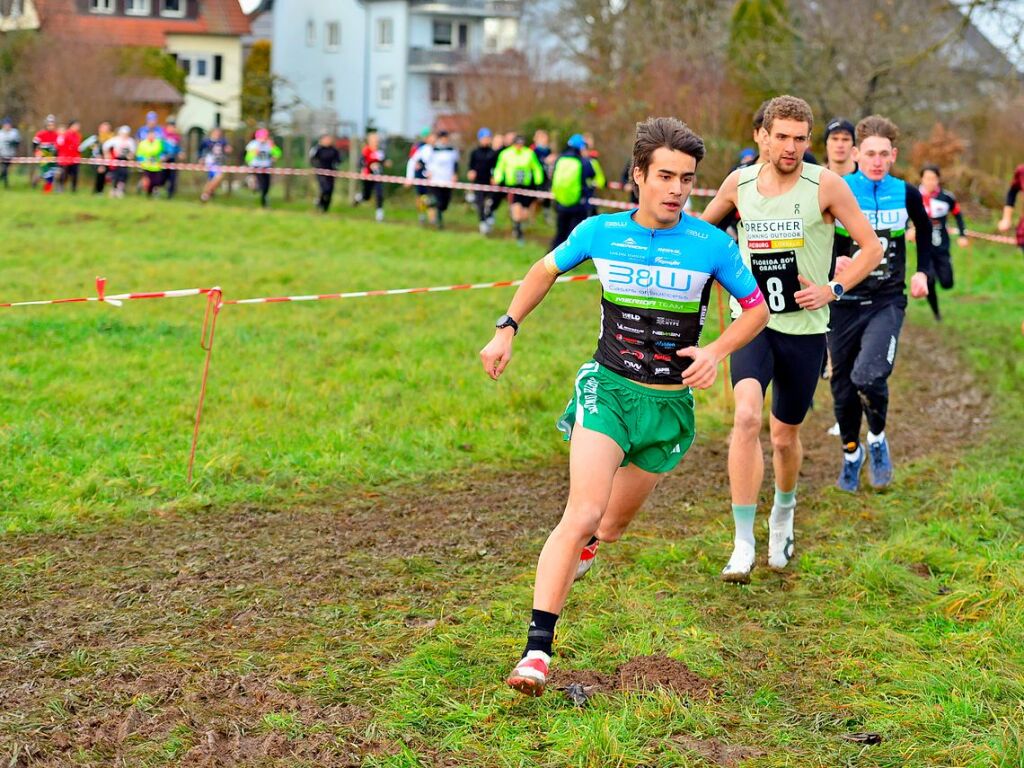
x,y
842,262
919,285
812,296
498,352
701,373
962,241
1004,224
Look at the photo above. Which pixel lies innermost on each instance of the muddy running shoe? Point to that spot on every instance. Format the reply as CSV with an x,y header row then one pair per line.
x,y
849,475
586,560
531,674
879,464
737,570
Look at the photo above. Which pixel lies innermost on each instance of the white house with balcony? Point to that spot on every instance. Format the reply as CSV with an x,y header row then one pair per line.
x,y
398,65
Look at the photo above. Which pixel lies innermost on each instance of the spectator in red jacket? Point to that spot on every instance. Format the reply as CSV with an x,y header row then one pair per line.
x,y
68,155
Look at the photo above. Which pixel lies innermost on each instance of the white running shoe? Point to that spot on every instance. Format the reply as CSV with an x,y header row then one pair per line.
x,y
780,542
738,569
531,674
379,215
586,560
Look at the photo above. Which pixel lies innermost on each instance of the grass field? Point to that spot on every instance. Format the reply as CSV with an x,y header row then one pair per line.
x,y
347,580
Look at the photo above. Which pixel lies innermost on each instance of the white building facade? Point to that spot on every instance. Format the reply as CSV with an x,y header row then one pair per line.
x,y
397,65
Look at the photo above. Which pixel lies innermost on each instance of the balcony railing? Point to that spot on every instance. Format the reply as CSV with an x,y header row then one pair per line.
x,y
503,8
437,59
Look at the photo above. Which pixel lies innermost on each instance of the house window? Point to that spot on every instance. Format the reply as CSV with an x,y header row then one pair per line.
x,y
196,66
101,6
463,36
385,91
385,33
136,7
332,36
329,90
442,91
172,8
443,34
310,33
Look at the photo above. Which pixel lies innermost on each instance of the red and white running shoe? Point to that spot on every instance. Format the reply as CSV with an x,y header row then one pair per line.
x,y
586,560
531,673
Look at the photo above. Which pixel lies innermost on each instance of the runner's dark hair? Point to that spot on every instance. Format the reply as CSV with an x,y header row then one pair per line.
x,y
759,115
933,168
668,132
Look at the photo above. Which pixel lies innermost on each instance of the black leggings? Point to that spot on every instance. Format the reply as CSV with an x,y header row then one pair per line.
x,y
862,342
566,220
942,271
326,184
263,182
375,189
69,172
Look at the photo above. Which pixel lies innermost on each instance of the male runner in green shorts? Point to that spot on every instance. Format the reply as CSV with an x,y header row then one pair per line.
x,y
787,209
630,419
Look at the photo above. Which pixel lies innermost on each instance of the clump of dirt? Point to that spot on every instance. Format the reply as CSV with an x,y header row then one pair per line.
x,y
717,752
920,569
588,679
659,671
637,674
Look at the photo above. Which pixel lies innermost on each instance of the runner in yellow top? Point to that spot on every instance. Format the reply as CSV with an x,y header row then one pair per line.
x,y
788,211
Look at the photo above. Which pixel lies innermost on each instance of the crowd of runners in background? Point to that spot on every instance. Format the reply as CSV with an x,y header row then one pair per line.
x,y
567,176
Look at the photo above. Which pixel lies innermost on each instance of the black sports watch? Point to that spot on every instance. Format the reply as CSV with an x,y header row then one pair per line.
x,y
837,289
506,321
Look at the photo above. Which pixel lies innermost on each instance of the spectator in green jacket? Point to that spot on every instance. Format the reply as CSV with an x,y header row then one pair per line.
x,y
572,183
519,167
149,153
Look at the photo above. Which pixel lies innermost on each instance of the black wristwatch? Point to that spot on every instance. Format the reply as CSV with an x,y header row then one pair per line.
x,y
506,321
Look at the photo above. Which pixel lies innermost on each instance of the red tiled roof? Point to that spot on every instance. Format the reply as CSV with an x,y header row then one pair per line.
x,y
216,17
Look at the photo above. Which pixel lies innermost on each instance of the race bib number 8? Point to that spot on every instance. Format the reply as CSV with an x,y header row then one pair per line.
x,y
777,276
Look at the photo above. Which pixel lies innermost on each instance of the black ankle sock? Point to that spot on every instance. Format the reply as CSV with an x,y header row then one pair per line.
x,y
593,540
541,634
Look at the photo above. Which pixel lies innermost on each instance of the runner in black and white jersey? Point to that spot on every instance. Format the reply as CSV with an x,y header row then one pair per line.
x,y
940,205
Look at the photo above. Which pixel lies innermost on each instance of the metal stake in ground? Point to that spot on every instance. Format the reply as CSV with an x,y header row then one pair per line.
x,y
213,305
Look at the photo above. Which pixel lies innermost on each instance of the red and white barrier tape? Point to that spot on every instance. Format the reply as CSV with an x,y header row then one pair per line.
x,y
402,291
116,299
385,178
991,238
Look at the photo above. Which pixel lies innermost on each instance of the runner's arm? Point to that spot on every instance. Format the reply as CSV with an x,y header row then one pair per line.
x,y
701,373
1011,200
737,279
838,200
724,201
535,286
961,228
918,214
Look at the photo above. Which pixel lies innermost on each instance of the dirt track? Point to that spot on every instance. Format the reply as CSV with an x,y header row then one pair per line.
x,y
203,590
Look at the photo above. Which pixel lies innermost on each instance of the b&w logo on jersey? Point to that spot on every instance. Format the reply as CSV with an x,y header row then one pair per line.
x,y
631,316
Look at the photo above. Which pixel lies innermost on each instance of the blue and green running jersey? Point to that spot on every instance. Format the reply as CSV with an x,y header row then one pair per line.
x,y
655,286
888,204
